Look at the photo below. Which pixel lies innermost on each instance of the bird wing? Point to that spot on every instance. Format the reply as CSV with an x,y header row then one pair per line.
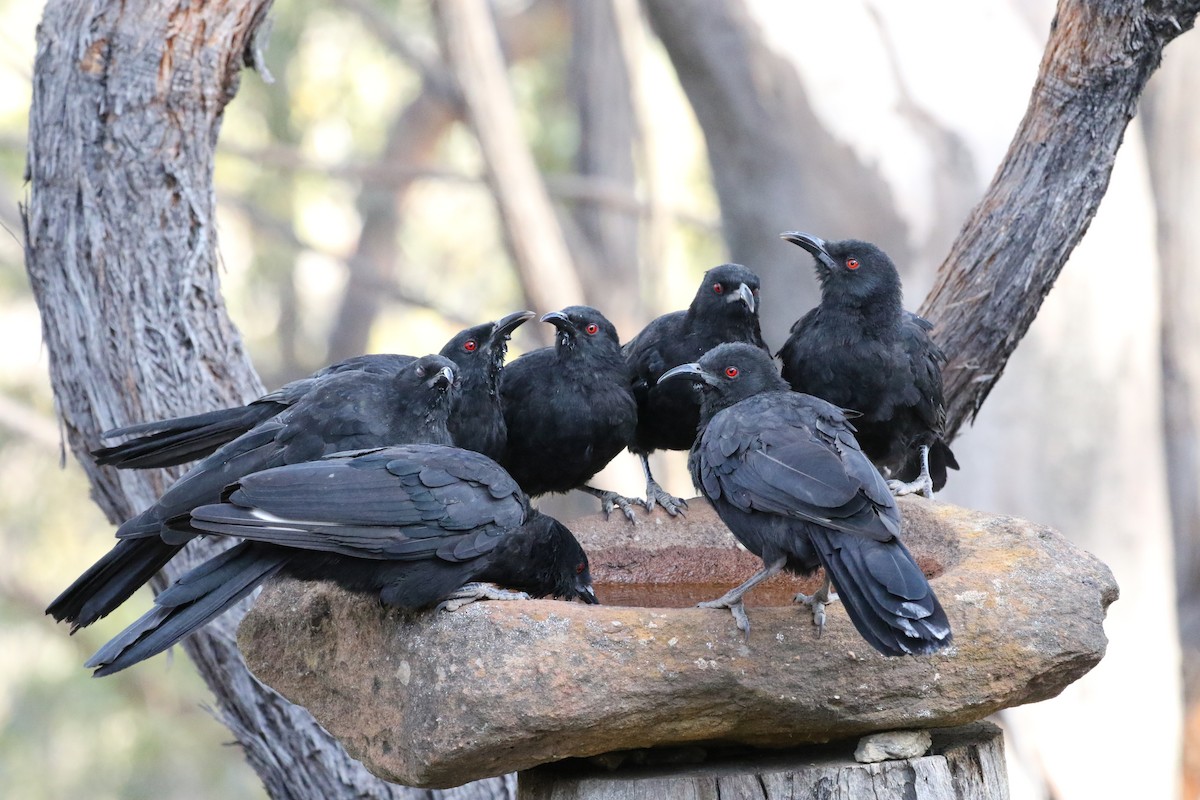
x,y
402,503
925,360
794,455
644,354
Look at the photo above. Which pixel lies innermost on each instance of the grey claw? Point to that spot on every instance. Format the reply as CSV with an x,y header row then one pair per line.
x,y
736,608
674,506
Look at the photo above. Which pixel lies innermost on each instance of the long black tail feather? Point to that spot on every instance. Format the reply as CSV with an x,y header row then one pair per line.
x,y
190,603
111,581
885,593
168,443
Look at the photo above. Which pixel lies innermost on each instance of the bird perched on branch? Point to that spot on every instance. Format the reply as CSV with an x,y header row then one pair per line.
x,y
349,411
416,525
476,421
860,350
783,470
725,309
569,408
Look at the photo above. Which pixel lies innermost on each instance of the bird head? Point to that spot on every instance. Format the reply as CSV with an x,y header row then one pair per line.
x,y
728,289
480,350
729,373
850,271
582,327
560,561
438,374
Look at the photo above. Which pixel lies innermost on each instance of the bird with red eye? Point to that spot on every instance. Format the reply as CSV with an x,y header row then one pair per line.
x,y
569,408
724,309
861,349
784,472
732,372
469,345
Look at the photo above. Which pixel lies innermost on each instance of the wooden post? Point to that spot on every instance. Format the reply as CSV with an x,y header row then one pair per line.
x,y
965,763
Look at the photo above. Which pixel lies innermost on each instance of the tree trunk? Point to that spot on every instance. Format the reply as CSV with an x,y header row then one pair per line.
x,y
1173,131
121,253
1043,197
965,763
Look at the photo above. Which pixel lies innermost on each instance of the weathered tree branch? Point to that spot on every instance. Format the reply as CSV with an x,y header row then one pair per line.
x,y
120,248
1046,191
531,229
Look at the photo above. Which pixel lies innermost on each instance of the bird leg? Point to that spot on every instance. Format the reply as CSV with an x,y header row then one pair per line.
x,y
610,499
655,493
817,602
733,598
470,592
923,483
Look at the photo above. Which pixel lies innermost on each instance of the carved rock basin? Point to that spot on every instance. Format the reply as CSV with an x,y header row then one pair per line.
x,y
439,699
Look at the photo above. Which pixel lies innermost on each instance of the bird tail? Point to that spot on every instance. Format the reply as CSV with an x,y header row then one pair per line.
x,y
188,604
885,593
941,458
110,581
170,442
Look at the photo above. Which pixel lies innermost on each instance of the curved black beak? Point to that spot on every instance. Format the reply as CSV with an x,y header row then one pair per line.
x,y
691,371
443,379
506,325
566,328
745,295
559,320
587,594
813,244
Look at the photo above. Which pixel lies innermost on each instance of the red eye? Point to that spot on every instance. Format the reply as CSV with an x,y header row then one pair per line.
x,y
579,568
851,263
592,329
732,372
718,288
470,345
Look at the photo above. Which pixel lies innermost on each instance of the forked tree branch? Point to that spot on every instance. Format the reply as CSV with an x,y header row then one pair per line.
x,y
1047,189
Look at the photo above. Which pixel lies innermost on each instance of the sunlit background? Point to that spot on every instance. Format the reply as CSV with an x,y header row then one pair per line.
x,y
354,216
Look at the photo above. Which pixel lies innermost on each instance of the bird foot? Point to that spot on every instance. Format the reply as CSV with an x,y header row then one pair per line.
x,y
817,602
922,485
470,592
735,606
656,495
611,500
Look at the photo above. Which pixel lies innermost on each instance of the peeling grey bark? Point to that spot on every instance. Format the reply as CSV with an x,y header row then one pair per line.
x,y
121,253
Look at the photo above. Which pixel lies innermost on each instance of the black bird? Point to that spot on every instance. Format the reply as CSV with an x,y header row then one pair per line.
x,y
860,350
569,408
352,410
476,421
784,472
725,309
415,525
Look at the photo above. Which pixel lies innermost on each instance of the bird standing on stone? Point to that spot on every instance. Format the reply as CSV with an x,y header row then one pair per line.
x,y
569,408
476,421
725,309
860,350
349,411
783,470
416,525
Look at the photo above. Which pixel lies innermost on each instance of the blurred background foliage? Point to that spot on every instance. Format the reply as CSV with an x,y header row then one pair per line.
x,y
357,214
